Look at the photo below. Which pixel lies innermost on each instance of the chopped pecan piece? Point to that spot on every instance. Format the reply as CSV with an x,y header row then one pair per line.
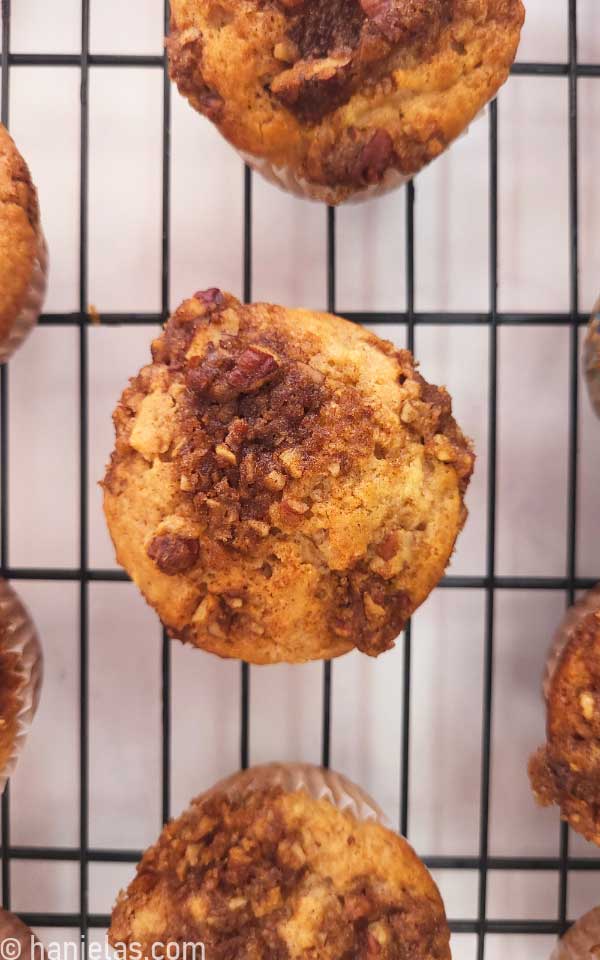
x,y
404,19
374,158
211,104
324,27
312,88
212,296
388,547
173,554
254,368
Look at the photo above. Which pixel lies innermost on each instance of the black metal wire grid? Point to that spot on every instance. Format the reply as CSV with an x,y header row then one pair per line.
x,y
490,582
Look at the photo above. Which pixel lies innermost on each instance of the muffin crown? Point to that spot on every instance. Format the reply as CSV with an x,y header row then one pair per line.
x,y
339,99
293,476
566,771
266,873
20,236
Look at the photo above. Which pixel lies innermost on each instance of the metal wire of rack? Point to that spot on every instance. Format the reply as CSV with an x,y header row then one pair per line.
x,y
490,582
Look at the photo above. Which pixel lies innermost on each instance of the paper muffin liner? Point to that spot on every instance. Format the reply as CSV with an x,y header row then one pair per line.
x,y
587,604
317,782
286,178
34,301
20,638
582,941
17,938
591,359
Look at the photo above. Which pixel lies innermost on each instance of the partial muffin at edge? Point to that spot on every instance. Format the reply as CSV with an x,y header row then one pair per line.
x,y
335,99
275,875
566,770
22,249
20,677
285,485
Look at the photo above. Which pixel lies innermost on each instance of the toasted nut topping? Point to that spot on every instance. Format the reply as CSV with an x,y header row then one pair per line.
x,y
205,610
413,389
296,506
374,158
373,610
236,903
444,449
274,480
174,554
286,51
236,603
225,455
388,547
211,297
409,412
292,461
586,701
262,529
253,369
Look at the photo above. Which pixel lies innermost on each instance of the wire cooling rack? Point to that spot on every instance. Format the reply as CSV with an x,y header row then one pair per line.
x,y
481,925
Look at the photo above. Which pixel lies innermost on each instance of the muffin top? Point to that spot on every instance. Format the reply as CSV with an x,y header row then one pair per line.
x,y
342,91
19,226
284,485
566,771
271,875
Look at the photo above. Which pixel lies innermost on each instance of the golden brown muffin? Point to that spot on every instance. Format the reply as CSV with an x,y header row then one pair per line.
x,y
23,259
20,677
285,485
591,359
341,98
566,771
269,874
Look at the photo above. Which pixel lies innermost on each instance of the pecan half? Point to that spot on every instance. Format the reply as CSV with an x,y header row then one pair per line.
x,y
174,554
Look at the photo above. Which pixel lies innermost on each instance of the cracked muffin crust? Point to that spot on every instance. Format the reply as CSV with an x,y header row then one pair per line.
x,y
284,486
23,258
20,677
271,874
566,771
336,99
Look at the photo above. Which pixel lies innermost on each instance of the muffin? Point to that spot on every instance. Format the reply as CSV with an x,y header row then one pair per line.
x,y
591,359
285,486
21,668
266,866
13,929
582,941
23,257
346,98
566,771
